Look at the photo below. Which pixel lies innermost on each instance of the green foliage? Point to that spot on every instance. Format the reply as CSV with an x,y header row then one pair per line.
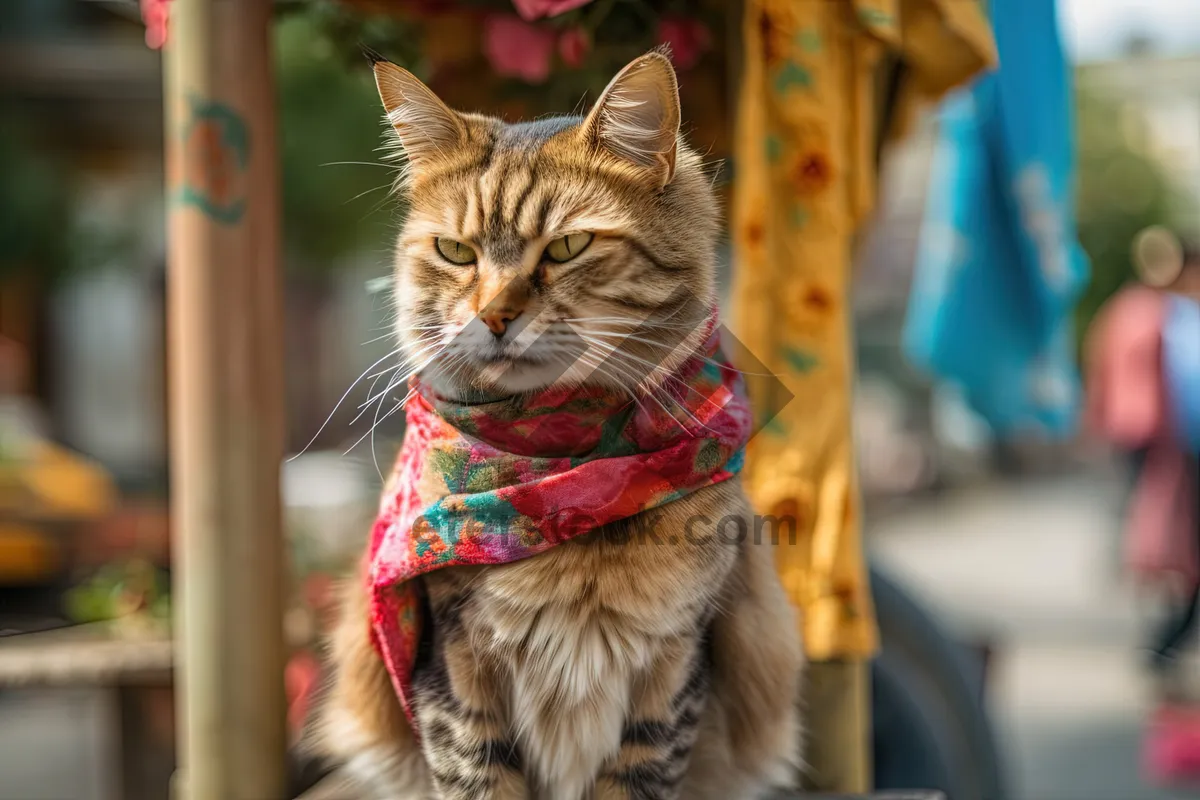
x,y
329,116
40,229
34,205
1121,192
328,112
336,186
119,589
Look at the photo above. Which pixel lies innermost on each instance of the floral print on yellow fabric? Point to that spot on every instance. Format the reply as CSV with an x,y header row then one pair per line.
x,y
805,161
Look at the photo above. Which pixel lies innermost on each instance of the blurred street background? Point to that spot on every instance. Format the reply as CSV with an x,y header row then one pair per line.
x,y
1039,575
1029,563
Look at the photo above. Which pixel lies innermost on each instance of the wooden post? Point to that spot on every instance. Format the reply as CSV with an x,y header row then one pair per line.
x,y
224,323
837,702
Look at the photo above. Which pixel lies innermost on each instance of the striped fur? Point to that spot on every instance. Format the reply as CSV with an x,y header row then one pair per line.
x,y
635,663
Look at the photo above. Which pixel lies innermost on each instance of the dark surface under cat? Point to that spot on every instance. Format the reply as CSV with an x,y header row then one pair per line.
x,y
334,789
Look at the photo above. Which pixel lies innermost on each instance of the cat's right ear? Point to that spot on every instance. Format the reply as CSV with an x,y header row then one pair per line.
x,y
637,117
423,123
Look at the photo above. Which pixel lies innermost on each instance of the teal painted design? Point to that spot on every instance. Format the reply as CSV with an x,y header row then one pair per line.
x,y
215,154
797,217
875,17
773,146
800,360
809,40
776,427
792,75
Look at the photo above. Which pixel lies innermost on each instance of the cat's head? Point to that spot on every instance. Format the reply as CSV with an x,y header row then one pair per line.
x,y
563,251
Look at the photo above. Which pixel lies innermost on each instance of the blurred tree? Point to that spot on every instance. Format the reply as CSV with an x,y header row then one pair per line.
x,y
336,186
40,231
1122,190
34,205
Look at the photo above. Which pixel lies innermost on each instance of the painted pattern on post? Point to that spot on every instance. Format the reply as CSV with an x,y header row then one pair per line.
x,y
215,157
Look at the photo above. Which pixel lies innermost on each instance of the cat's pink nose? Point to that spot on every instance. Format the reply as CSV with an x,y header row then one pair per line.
x,y
497,319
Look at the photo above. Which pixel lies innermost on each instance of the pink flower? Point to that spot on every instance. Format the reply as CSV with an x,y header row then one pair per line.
x,y
574,45
154,15
536,9
301,677
688,39
517,49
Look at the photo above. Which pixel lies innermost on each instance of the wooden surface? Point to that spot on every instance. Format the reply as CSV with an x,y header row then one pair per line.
x,y
84,655
914,795
330,789
337,789
96,654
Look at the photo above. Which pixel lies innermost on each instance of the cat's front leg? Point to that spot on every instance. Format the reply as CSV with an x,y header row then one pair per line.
x,y
750,739
667,702
464,736
362,727
650,766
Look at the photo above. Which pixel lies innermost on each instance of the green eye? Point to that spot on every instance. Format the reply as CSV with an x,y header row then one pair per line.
x,y
455,252
567,247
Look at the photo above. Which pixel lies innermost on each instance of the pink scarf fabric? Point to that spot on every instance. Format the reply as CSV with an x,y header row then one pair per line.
x,y
1127,405
495,482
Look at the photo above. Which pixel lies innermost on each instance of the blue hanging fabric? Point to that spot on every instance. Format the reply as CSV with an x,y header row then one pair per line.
x,y
998,268
1181,368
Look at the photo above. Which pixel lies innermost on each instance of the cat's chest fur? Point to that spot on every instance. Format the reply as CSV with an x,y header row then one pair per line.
x,y
571,639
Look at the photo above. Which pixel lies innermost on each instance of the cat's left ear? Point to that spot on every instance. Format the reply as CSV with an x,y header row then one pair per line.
x,y
637,117
423,123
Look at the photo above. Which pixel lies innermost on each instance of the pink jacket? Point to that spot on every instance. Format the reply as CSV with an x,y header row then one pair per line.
x,y
1126,404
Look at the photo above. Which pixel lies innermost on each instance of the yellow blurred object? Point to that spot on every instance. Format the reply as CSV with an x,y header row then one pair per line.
x,y
805,151
27,554
67,486
43,489
805,155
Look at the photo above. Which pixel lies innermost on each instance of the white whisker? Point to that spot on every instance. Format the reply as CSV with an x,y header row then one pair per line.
x,y
722,365
359,164
366,192
615,356
341,400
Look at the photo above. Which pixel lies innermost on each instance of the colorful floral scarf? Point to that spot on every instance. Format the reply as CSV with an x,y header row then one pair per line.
x,y
496,482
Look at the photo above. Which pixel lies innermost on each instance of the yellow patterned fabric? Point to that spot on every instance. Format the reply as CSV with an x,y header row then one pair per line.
x,y
805,166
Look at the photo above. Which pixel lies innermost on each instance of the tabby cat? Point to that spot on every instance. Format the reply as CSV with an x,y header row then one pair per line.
x,y
642,671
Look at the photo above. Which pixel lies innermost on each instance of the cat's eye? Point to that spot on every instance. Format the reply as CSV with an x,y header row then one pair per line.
x,y
565,248
455,252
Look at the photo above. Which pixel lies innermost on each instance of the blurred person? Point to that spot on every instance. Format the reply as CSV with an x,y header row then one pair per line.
x,y
1143,355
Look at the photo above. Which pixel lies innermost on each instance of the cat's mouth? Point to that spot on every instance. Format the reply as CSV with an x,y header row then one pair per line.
x,y
506,355
504,358
516,373
521,361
